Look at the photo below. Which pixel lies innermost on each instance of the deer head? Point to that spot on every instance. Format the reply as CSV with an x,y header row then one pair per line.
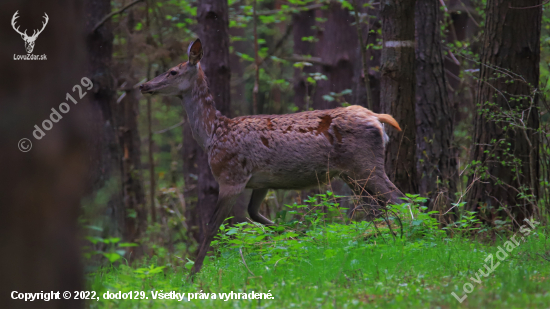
x,y
29,40
179,79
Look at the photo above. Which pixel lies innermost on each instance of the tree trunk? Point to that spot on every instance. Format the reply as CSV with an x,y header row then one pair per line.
x,y
462,27
105,168
213,20
370,36
240,105
436,162
190,178
302,27
509,73
338,49
41,190
127,111
398,95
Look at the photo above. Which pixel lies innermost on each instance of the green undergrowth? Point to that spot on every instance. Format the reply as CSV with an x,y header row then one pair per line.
x,y
317,260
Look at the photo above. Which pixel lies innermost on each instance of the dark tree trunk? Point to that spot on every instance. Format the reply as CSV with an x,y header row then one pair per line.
x,y
302,27
462,27
398,95
511,52
436,161
41,190
337,48
213,20
127,111
135,219
190,177
106,165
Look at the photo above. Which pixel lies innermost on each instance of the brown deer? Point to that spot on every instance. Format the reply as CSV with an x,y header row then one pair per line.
x,y
264,152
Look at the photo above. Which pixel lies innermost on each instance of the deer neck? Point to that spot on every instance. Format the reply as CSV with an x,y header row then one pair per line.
x,y
201,111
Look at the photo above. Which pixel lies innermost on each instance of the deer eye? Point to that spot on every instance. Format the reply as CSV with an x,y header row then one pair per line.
x,y
173,72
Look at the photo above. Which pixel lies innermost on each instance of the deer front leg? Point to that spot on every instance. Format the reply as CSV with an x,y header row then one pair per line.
x,y
226,200
256,200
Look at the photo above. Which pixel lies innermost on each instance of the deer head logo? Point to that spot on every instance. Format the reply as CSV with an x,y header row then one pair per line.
x,y
29,40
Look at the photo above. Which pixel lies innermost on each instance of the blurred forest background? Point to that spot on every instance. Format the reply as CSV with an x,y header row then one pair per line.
x,y
465,79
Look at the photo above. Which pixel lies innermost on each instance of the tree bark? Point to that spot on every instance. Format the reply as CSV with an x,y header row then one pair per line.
x,y
436,163
106,165
135,219
370,36
213,20
41,190
302,27
511,52
338,47
240,105
398,95
190,177
127,111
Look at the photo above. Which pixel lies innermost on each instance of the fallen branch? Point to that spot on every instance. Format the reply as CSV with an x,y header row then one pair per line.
x,y
244,262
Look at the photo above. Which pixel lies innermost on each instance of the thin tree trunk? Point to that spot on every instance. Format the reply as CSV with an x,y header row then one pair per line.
x,y
213,20
302,27
436,163
127,114
338,46
398,96
256,88
41,190
190,177
370,36
509,73
240,106
364,53
107,156
151,160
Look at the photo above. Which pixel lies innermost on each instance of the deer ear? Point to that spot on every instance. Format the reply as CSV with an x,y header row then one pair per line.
x,y
194,51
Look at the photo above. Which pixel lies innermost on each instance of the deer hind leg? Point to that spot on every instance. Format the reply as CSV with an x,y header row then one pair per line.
x,y
226,199
240,208
258,195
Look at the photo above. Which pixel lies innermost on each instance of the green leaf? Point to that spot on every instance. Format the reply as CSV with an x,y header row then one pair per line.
x,y
113,257
111,240
231,232
94,239
127,244
189,264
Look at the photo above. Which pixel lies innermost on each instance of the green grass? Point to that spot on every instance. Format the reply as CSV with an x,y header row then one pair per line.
x,y
343,266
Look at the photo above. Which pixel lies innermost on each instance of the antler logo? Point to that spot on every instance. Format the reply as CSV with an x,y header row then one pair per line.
x,y
29,40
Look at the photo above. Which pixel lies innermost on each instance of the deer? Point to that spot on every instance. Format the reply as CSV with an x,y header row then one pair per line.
x,y
29,40
289,151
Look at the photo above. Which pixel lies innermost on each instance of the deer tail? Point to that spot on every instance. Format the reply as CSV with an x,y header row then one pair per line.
x,y
385,118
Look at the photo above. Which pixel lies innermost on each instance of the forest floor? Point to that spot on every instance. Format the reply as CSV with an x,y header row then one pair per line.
x,y
344,266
